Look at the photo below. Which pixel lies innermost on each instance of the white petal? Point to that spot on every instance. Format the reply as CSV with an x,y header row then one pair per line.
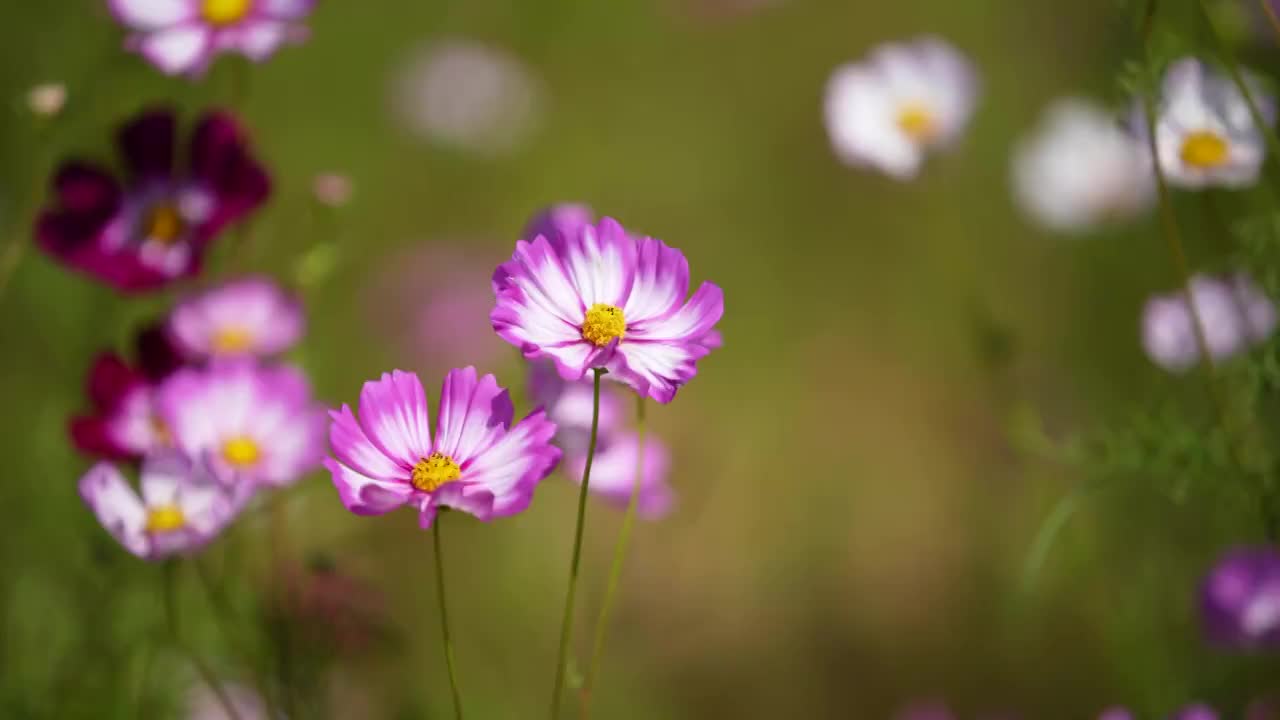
x,y
154,14
180,50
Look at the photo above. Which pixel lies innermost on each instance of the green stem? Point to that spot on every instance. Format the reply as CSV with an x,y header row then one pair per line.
x,y
619,556
449,661
223,614
171,617
566,625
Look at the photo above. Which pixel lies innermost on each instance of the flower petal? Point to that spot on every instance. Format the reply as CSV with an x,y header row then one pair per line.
x,y
354,449
394,415
147,144
153,14
473,413
365,495
661,282
513,466
106,492
178,50
601,263
613,474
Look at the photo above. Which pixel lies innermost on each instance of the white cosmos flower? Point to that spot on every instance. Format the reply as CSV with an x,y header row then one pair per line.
x,y
1205,134
1080,169
888,111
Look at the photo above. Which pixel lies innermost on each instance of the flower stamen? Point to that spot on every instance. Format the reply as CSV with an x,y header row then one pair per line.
x,y
241,451
165,518
603,323
917,122
232,340
1204,150
225,12
433,471
164,224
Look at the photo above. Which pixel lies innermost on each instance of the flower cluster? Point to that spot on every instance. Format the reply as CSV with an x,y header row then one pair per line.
x,y
1232,312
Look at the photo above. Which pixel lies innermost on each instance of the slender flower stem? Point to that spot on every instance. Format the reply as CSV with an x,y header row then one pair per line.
x,y
171,618
566,625
1270,12
449,661
619,556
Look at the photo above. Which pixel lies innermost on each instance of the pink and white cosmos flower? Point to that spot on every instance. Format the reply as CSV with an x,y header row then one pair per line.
x,y
246,317
257,425
180,510
182,37
599,298
478,462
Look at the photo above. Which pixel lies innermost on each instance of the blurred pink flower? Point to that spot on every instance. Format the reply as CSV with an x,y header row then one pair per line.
x,y
332,189
433,303
472,96
203,704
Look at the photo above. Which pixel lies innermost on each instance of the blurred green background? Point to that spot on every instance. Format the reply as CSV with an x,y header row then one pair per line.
x,y
854,522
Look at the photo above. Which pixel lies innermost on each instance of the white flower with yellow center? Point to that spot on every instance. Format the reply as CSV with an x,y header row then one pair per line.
x,y
1080,169
1205,133
905,100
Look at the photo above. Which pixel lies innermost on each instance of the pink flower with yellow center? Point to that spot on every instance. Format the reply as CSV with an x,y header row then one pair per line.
x,y
182,37
477,462
600,298
246,317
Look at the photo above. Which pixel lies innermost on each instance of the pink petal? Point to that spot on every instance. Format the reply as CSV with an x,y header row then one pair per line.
x,y
516,463
473,413
661,283
106,492
365,495
393,413
178,50
153,14
354,449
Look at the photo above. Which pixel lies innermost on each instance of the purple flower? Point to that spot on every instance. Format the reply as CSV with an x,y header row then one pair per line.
x,y
257,425
180,510
124,424
1197,711
1240,599
613,474
155,227
478,461
1234,312
246,317
181,37
602,299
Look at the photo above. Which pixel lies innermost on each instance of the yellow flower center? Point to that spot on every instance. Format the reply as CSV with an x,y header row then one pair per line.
x,y
917,122
435,470
165,518
1204,149
603,323
225,12
164,223
160,431
232,340
241,451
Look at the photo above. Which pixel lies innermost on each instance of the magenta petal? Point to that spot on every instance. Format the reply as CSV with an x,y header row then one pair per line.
x,y
158,358
365,495
85,188
110,379
473,411
92,436
394,415
354,449
147,144
472,499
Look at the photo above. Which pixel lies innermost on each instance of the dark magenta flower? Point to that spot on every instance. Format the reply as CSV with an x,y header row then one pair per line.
x,y
154,226
124,424
1240,599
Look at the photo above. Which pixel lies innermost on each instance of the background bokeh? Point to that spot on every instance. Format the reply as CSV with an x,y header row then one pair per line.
x,y
854,522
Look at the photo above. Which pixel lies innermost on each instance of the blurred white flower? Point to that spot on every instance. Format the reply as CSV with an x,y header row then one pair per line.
x,y
47,100
1234,313
1080,169
332,189
469,95
1205,134
905,100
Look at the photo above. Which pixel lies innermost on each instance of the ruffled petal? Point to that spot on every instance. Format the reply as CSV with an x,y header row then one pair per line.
x,y
613,474
147,144
512,467
657,369
365,495
153,14
661,282
473,413
179,50
691,323
107,493
601,263
354,449
394,415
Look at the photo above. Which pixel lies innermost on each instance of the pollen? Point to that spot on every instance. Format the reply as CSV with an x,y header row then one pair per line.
x,y
241,451
435,470
160,431
164,223
225,12
1204,150
232,340
165,518
603,323
917,122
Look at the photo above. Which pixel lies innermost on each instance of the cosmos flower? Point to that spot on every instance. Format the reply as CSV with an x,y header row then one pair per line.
x,y
257,425
468,95
181,507
1240,599
613,472
907,99
603,299
245,317
155,228
124,423
478,462
1205,134
182,37
1080,170
1234,312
